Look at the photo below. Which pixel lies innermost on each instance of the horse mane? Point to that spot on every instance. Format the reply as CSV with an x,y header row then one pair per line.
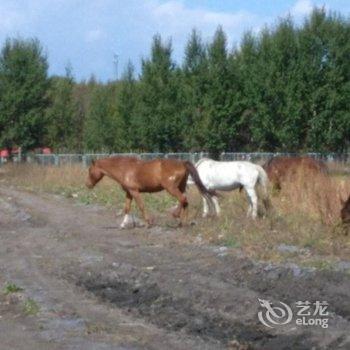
x,y
268,162
201,161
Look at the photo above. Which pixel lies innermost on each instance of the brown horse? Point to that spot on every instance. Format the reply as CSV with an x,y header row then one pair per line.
x,y
278,169
136,176
345,211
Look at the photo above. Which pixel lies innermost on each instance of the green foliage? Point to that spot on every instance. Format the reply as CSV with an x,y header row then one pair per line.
x,y
23,87
221,100
12,288
127,137
60,114
296,85
284,89
100,129
157,116
31,307
328,71
194,89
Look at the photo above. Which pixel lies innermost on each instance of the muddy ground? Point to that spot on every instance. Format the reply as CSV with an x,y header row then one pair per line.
x,y
99,287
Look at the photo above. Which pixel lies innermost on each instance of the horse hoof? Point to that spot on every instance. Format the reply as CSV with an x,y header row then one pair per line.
x,y
175,215
126,226
150,222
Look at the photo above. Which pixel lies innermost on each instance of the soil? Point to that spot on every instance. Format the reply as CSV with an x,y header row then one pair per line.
x,y
100,287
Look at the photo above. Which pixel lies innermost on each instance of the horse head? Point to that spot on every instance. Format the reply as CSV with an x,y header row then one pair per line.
x,y
345,211
94,176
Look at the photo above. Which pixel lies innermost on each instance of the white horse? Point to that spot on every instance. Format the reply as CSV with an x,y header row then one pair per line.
x,y
228,176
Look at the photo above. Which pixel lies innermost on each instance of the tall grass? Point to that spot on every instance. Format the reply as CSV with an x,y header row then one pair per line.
x,y
315,194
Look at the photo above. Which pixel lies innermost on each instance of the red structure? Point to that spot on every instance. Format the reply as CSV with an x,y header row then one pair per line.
x,y
4,153
47,150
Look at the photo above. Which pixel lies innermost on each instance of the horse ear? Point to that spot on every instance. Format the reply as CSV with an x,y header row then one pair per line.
x,y
93,162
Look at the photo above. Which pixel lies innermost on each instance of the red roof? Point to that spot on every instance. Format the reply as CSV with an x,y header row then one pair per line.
x,y
47,150
4,153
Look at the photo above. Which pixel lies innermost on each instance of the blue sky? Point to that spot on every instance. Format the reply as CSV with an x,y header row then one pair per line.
x,y
88,33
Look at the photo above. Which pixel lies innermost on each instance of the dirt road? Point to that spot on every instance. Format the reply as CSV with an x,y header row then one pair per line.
x,y
99,287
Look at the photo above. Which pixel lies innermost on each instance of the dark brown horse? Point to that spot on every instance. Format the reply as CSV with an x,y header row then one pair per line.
x,y
278,169
136,176
345,211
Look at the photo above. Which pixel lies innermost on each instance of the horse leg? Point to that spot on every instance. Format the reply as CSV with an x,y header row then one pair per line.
x,y
205,207
183,203
182,189
127,208
216,205
250,206
250,202
137,196
253,202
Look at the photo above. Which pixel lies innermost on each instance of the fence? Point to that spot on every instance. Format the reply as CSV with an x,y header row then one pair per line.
x,y
256,157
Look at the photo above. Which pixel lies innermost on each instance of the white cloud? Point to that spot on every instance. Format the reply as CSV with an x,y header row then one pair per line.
x,y
301,8
176,16
176,20
94,35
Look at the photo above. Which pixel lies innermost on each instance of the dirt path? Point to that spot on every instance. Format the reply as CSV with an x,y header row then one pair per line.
x,y
99,287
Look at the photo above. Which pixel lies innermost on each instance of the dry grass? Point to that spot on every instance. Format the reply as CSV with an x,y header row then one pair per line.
x,y
69,181
315,194
304,214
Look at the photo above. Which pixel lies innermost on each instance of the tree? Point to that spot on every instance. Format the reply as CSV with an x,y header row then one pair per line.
x,y
128,136
194,87
277,122
23,88
100,127
159,112
81,101
61,129
220,116
326,50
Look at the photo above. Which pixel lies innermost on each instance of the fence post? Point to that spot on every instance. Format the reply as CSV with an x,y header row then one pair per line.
x,y
57,160
193,158
20,155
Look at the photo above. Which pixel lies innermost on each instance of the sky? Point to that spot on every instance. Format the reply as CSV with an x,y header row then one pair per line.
x,y
100,36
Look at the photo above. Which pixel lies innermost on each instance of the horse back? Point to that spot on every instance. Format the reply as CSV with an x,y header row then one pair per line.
x,y
157,174
345,211
135,174
277,168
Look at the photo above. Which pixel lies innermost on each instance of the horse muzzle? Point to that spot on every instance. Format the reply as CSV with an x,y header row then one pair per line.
x,y
89,185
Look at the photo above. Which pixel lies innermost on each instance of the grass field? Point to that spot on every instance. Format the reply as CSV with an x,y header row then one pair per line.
x,y
304,214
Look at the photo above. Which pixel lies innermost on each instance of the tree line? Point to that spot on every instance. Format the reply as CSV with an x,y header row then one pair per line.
x,y
286,88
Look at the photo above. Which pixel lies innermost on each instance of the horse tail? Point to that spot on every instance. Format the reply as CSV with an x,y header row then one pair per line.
x,y
323,167
264,183
190,180
197,180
